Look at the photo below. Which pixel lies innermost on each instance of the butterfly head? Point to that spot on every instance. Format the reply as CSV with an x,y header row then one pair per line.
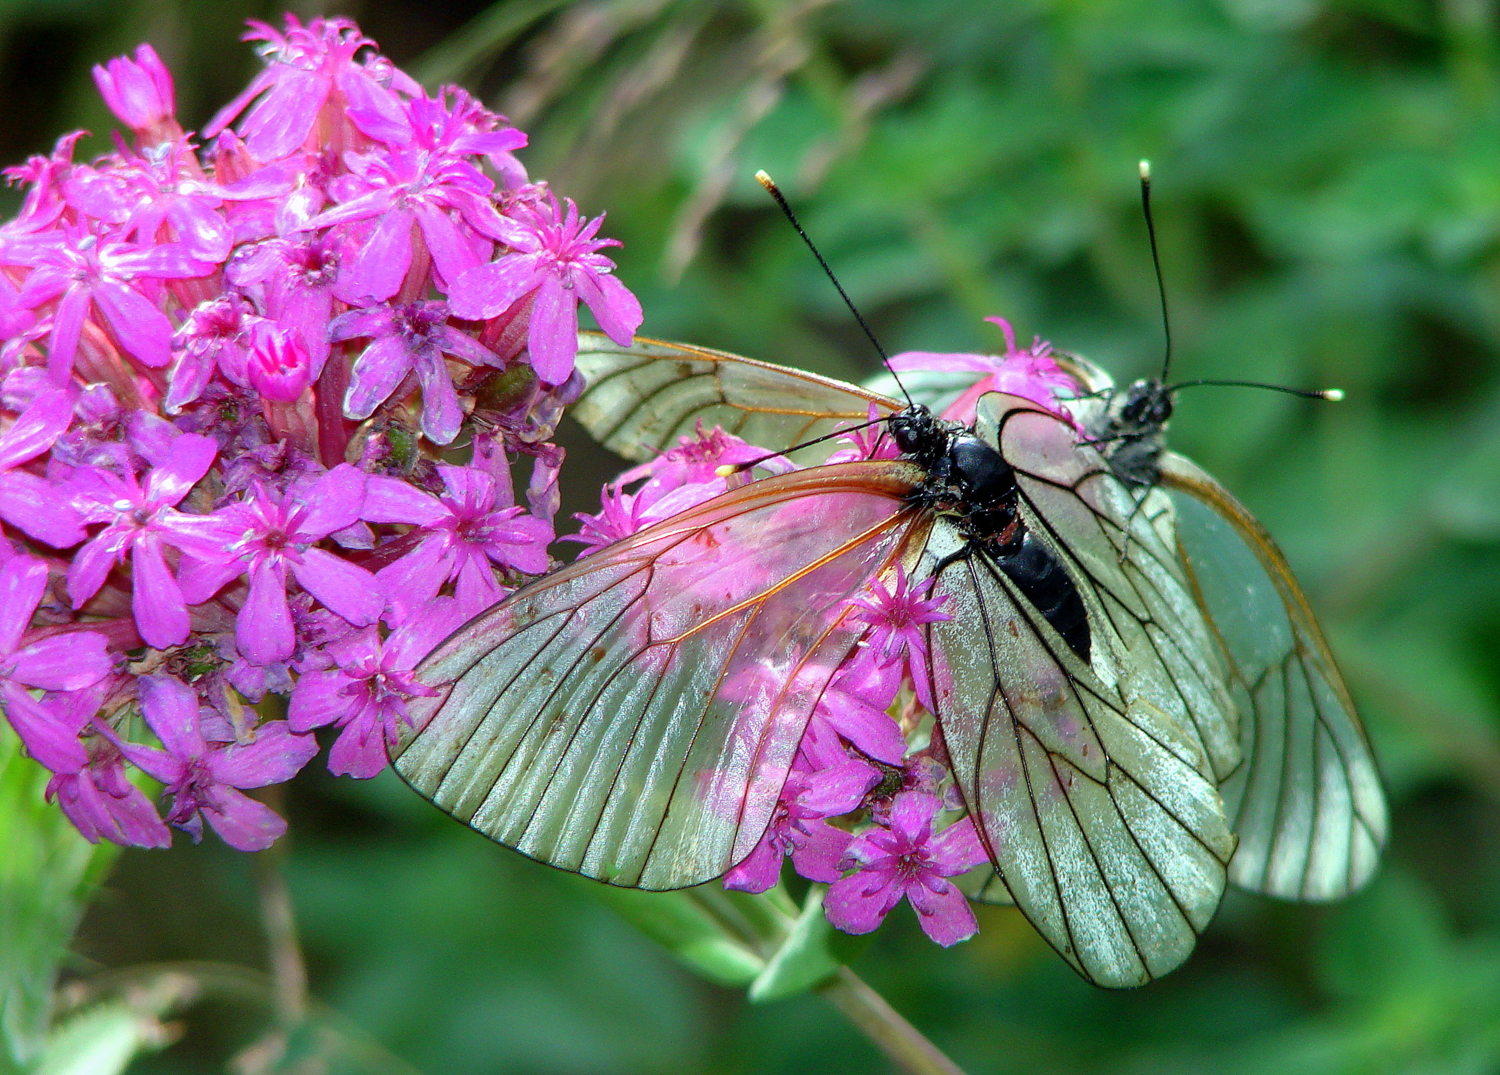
x,y
1147,407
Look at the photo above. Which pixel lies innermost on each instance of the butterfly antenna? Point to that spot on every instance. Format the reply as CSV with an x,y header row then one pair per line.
x,y
1161,287
1331,395
774,191
739,468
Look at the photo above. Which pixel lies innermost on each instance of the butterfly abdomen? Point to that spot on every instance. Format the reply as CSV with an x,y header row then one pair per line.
x,y
1042,580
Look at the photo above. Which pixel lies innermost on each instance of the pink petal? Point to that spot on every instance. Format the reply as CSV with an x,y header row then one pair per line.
x,y
38,427
188,459
943,911
820,854
859,903
613,305
382,263
23,580
377,372
553,339
359,750
321,698
263,630
171,709
65,662
489,290
276,754
49,739
760,871
335,500
142,329
347,589
390,500
36,508
241,822
160,613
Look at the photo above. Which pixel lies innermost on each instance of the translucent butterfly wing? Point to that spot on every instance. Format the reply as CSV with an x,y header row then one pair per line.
x,y
632,717
1089,782
639,399
1159,645
1307,803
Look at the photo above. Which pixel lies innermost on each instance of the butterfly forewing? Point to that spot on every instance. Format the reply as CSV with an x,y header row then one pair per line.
x,y
1307,803
633,717
640,399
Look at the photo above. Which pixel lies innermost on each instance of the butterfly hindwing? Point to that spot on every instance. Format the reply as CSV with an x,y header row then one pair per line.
x,y
1088,780
1307,802
632,717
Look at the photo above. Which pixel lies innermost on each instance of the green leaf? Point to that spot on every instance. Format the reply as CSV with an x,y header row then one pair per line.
x,y
680,923
803,960
47,872
101,1040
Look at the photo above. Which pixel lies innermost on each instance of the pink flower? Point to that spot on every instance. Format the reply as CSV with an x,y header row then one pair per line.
x,y
269,536
473,526
82,271
555,261
407,338
366,694
896,618
140,520
277,364
140,92
908,861
1031,374
204,777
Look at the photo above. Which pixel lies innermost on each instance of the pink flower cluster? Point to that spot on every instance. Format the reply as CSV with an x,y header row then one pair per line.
x,y
869,807
229,375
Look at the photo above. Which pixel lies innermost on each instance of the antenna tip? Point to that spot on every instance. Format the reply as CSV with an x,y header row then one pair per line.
x,y
728,470
1145,167
764,179
1333,395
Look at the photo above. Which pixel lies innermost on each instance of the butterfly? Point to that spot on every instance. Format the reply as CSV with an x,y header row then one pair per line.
x,y
633,716
1307,803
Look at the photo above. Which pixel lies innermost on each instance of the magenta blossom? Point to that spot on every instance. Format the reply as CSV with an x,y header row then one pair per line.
x,y
204,777
555,261
366,694
269,536
140,521
26,501
407,338
464,534
908,861
1031,374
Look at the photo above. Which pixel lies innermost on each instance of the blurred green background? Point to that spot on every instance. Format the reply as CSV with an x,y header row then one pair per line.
x,y
1328,196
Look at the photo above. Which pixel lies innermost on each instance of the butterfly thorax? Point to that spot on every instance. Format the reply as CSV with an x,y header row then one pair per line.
x,y
1133,435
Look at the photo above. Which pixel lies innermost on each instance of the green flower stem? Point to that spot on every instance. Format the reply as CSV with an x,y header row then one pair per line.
x,y
903,1043
770,921
283,947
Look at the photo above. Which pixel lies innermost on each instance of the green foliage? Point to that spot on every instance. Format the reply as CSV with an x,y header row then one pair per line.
x,y
47,874
1328,195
